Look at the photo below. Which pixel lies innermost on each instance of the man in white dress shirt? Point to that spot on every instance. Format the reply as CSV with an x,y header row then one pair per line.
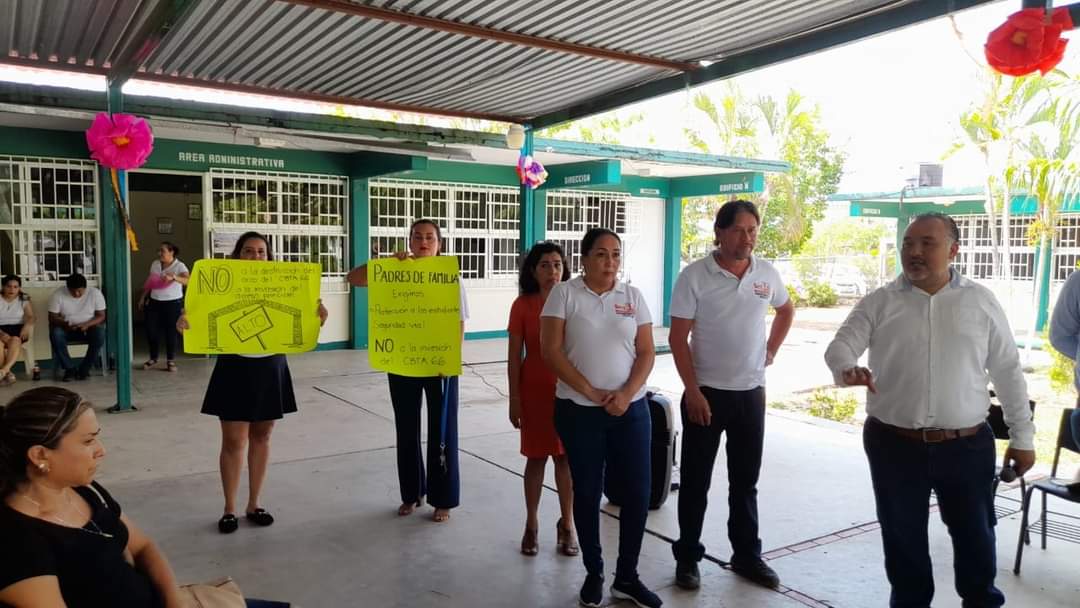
x,y
935,339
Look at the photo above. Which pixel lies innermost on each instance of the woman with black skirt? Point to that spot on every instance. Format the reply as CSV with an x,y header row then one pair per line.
x,y
248,393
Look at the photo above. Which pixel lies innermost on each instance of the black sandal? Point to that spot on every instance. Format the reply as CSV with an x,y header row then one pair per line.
x,y
228,524
260,517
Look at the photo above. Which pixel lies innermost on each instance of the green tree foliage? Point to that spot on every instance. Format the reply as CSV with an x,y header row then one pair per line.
x,y
788,130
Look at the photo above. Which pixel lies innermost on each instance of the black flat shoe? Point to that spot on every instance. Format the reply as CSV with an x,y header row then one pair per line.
x,y
228,524
260,517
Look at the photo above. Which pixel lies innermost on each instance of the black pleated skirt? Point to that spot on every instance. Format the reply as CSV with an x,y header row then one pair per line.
x,y
244,389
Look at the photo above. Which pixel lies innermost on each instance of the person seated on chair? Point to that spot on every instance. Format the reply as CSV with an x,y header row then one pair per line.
x,y
16,329
66,540
76,314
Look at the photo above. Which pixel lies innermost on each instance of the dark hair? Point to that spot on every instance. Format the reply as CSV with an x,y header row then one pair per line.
x,y
727,213
40,416
526,279
76,281
424,220
593,235
247,236
13,277
950,223
172,248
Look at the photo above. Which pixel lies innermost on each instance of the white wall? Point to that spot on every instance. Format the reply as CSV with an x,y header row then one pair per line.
x,y
643,258
489,307
337,324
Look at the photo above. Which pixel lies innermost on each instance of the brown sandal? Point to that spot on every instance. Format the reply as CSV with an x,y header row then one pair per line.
x,y
406,508
440,515
529,543
8,379
170,366
149,364
567,544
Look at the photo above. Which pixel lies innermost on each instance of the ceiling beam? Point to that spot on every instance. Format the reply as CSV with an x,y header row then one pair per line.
x,y
332,99
856,27
140,44
255,90
477,31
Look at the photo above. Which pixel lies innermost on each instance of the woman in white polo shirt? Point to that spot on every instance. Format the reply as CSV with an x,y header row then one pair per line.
x,y
16,329
163,300
596,335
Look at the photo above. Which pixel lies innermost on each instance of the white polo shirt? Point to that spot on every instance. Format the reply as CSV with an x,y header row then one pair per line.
x,y
76,310
727,341
599,335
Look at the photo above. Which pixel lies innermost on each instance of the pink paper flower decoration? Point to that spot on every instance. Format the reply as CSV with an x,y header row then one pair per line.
x,y
120,141
531,172
155,281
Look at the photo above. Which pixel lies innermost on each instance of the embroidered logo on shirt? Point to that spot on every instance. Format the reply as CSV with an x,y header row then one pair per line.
x,y
624,310
762,289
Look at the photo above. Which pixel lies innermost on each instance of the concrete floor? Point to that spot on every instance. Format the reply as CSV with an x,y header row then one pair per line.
x,y
338,542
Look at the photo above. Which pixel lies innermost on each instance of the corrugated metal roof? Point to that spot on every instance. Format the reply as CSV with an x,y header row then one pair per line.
x,y
533,59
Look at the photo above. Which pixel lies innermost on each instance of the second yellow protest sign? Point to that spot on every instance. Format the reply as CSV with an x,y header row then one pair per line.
x,y
252,307
414,316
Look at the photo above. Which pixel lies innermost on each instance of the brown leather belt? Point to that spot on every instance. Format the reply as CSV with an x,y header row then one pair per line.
x,y
932,435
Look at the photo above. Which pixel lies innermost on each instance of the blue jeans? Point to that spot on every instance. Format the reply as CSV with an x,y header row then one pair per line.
x,y
961,474
94,338
593,438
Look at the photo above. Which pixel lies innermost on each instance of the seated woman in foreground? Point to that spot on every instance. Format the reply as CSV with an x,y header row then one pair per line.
x,y
66,542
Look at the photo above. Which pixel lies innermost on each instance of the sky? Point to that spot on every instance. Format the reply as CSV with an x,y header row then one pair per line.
x,y
890,102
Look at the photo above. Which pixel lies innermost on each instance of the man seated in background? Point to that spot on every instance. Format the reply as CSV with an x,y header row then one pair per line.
x,y
76,314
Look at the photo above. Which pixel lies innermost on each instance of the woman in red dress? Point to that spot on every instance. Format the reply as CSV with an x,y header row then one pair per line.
x,y
532,395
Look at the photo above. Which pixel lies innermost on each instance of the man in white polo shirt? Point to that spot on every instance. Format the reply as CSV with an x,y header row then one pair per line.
x,y
722,300
76,314
935,339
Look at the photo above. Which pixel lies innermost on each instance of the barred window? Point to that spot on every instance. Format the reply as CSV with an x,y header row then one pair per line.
x,y
479,224
304,216
1066,246
976,257
48,218
571,213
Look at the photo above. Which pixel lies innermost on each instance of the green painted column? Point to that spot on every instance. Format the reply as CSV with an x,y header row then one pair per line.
x,y
358,238
1044,258
539,217
116,274
527,206
672,250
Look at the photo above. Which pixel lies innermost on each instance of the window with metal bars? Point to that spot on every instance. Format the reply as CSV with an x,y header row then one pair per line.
x,y
975,259
48,218
479,224
571,213
304,216
1066,246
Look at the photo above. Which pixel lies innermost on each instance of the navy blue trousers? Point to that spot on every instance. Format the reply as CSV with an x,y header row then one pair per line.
x,y
93,337
742,415
599,444
442,483
961,474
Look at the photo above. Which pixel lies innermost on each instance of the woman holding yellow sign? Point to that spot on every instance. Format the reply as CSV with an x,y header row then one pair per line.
x,y
248,393
442,483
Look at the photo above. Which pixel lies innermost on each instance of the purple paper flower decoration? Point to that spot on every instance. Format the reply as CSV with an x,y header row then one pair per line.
x,y
120,141
531,172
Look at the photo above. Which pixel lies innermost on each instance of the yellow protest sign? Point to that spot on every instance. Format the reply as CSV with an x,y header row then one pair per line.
x,y
414,316
252,307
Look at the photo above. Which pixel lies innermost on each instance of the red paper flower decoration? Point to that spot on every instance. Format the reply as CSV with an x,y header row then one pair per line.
x,y
120,141
1029,40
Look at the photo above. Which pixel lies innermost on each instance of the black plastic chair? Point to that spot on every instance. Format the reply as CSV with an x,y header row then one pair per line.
x,y
1052,486
996,419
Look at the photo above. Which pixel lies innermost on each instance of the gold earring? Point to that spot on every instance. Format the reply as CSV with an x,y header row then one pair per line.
x,y
44,468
